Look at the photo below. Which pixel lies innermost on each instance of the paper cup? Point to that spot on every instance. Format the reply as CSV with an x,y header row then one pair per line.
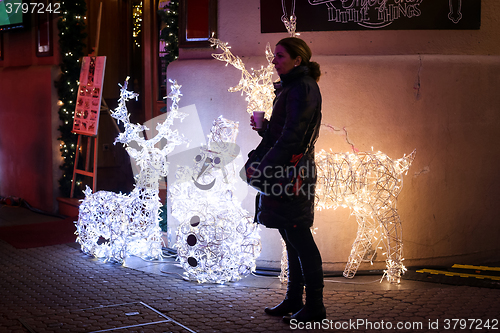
x,y
258,118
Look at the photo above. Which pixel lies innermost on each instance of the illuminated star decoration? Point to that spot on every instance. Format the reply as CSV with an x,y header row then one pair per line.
x,y
217,241
257,85
368,184
113,225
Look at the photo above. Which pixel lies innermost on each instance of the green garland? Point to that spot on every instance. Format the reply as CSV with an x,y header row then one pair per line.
x,y
169,34
71,25
170,31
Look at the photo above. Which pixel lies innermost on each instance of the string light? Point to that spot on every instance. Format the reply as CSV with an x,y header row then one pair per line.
x,y
257,85
368,184
137,22
113,225
290,24
217,240
175,94
284,263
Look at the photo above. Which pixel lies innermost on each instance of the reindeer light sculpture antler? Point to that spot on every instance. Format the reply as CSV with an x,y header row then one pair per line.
x,y
113,225
258,85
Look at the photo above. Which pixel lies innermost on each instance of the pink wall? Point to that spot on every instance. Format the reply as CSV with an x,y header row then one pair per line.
x,y
28,122
435,91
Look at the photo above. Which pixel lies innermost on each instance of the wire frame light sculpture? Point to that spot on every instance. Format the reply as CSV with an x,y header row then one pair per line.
x,y
284,263
290,23
368,184
217,241
114,225
257,84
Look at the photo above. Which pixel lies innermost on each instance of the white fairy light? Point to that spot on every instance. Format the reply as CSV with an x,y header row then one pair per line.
x,y
113,225
290,24
175,94
368,184
257,85
284,263
137,22
217,240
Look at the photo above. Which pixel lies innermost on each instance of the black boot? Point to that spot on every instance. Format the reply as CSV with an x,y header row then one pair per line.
x,y
291,304
295,288
314,310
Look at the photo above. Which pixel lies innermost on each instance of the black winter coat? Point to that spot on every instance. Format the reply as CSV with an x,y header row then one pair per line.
x,y
294,123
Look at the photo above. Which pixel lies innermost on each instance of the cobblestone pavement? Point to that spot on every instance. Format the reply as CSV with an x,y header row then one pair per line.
x,y
59,289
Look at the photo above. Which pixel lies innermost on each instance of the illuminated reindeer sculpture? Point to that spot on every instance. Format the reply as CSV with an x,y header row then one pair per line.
x,y
113,225
369,184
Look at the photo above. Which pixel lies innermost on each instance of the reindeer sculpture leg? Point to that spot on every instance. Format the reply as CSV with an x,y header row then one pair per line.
x,y
362,245
392,233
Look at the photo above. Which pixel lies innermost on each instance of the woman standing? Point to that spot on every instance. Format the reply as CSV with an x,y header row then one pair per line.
x,y
293,130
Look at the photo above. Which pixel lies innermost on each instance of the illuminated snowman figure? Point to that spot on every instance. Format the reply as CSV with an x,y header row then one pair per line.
x,y
217,240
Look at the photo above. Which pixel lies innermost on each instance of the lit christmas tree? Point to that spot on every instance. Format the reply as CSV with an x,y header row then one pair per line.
x,y
71,25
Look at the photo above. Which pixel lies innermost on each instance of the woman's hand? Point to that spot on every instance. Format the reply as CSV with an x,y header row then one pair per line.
x,y
252,124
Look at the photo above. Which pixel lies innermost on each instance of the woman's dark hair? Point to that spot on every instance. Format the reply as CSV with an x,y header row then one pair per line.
x,y
297,47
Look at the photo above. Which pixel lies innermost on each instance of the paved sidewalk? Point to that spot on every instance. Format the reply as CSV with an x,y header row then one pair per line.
x,y
46,288
59,289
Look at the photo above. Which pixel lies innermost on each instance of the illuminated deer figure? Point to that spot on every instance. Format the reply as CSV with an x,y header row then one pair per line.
x,y
369,184
113,225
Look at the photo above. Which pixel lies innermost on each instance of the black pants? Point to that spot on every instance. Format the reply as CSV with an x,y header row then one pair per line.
x,y
304,260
